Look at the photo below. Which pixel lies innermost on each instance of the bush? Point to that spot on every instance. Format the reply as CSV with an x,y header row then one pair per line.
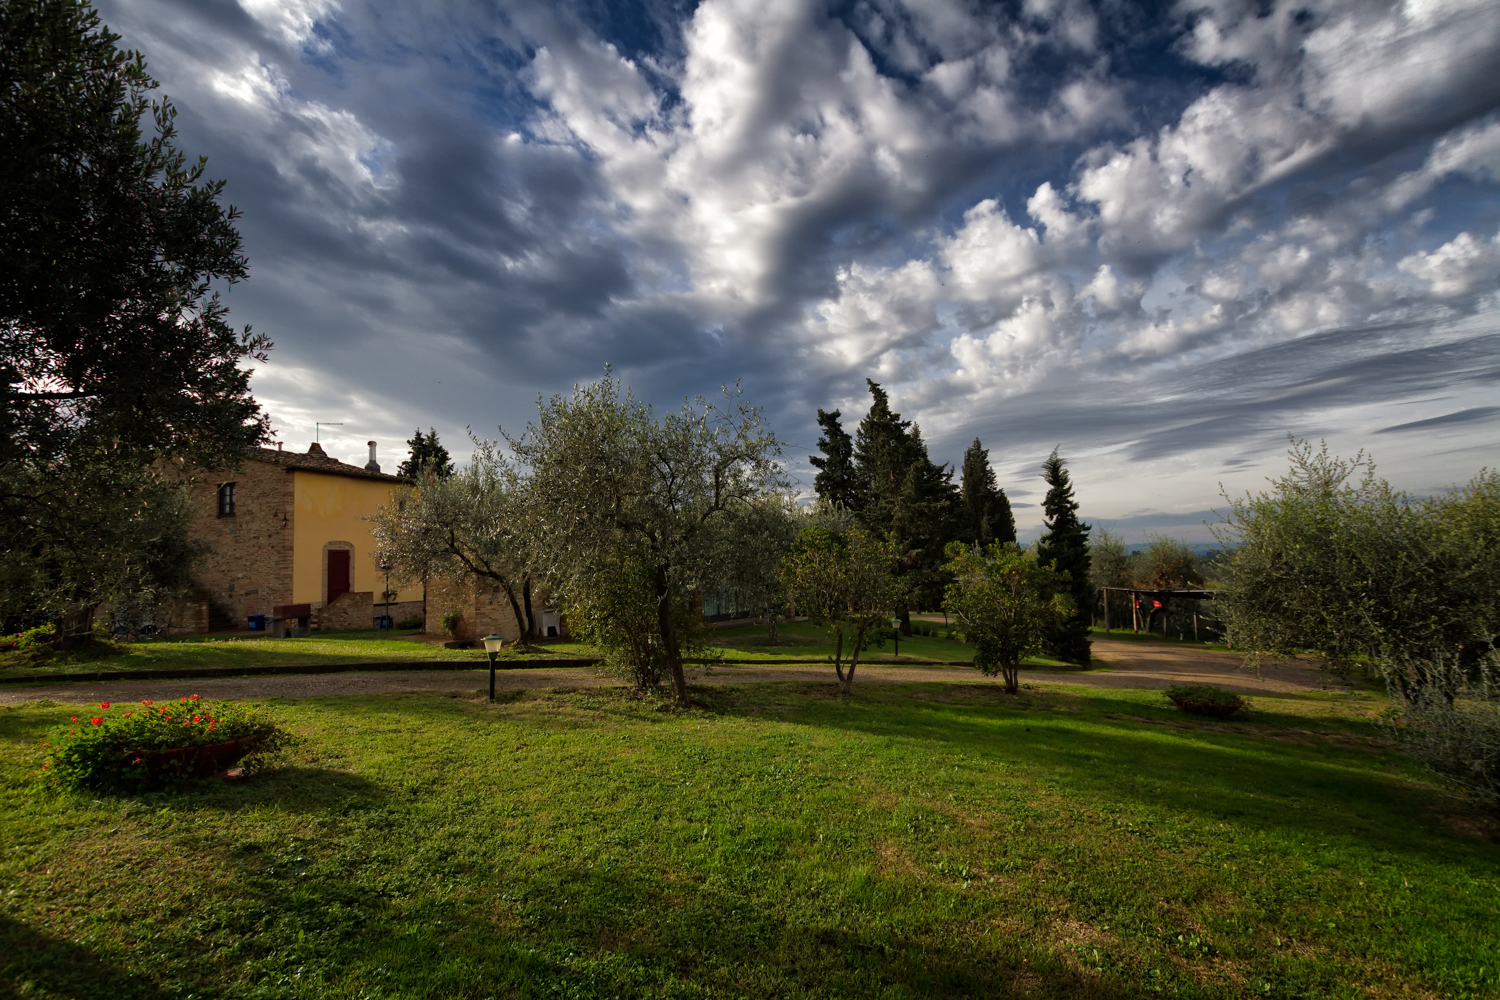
x,y
415,621
1205,699
1459,741
132,751
450,621
36,636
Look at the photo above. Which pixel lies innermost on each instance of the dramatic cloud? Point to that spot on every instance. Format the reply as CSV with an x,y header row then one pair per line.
x,y
1164,240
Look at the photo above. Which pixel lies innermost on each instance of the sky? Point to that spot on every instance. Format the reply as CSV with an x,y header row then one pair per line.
x,y
1161,238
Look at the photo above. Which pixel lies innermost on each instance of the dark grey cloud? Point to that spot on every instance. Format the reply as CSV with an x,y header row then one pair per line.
x,y
1459,417
1196,241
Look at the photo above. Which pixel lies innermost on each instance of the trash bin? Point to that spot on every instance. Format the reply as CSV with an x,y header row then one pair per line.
x,y
257,623
382,621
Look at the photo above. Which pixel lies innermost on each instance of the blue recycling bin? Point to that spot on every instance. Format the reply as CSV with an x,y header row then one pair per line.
x,y
383,621
257,623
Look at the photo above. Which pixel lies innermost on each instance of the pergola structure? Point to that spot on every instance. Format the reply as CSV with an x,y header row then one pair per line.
x,y
1157,598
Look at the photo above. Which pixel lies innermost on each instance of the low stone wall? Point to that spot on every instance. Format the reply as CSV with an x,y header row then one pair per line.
x,y
356,609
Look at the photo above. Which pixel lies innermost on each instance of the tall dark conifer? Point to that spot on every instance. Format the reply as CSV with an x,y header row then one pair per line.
x,y
906,493
838,480
426,453
1065,546
986,509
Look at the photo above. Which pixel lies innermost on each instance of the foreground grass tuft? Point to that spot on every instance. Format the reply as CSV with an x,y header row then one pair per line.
x,y
912,841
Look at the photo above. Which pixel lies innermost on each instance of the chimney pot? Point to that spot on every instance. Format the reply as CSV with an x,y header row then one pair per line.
x,y
317,449
372,465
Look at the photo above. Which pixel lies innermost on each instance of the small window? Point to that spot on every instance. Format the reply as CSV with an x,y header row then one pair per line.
x,y
226,500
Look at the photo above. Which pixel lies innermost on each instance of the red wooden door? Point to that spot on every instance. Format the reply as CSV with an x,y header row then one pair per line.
x,y
338,574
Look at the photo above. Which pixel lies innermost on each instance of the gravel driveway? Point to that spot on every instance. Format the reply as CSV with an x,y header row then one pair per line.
x,y
1131,665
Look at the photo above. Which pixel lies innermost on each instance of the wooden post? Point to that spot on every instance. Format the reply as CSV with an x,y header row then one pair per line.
x,y
1135,612
1195,626
1106,611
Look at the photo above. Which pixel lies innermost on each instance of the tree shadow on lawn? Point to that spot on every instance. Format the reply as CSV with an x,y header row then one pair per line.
x,y
635,933
1270,772
34,963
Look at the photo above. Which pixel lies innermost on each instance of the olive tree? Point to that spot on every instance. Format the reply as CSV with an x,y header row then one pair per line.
x,y
104,531
753,546
1332,560
619,492
1004,603
475,524
847,584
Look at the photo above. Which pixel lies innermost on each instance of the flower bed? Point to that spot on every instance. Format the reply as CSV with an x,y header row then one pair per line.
x,y
1205,699
151,746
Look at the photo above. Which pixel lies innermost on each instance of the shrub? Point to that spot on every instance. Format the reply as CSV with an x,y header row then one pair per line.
x,y
1205,699
41,635
130,751
1459,741
450,621
415,621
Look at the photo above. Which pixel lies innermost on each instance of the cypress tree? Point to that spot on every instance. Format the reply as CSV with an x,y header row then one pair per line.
x,y
906,493
986,509
838,481
1065,547
425,452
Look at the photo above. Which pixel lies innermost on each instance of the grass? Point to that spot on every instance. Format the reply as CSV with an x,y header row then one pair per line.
x,y
358,646
1125,635
799,640
912,841
804,640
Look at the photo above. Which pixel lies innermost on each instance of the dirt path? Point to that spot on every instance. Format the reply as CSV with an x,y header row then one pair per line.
x,y
1131,665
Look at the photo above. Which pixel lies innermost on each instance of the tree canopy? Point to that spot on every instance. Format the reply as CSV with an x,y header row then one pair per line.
x,y
846,583
987,515
426,455
115,351
110,240
1004,602
1064,546
474,525
622,495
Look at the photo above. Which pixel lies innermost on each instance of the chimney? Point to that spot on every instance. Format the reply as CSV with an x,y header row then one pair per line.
x,y
372,465
317,449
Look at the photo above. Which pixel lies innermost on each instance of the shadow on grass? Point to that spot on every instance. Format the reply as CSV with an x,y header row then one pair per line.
x,y
33,963
1270,771
579,931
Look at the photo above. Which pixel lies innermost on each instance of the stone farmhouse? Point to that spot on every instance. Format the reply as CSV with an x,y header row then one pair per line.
x,y
287,528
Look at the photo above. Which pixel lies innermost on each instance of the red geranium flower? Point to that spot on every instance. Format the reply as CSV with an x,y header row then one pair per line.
x,y
75,718
104,704
96,721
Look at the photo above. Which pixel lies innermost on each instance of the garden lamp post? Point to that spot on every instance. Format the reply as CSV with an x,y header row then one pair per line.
x,y
385,567
896,624
492,644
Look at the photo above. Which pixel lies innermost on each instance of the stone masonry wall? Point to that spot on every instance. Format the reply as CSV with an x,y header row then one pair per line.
x,y
485,609
355,609
248,569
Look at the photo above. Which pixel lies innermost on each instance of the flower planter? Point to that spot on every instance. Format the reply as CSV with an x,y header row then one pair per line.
x,y
199,761
1204,708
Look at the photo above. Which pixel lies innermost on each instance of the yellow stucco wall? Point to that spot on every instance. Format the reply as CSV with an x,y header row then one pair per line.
x,y
332,508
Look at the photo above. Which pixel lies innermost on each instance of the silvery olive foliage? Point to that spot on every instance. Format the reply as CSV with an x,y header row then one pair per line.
x,y
477,523
620,494
1332,560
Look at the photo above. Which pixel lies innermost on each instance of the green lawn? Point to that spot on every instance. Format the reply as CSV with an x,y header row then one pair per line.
x,y
361,646
804,640
799,640
912,841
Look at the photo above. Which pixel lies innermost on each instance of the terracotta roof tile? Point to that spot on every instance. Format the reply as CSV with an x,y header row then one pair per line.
x,y
301,461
